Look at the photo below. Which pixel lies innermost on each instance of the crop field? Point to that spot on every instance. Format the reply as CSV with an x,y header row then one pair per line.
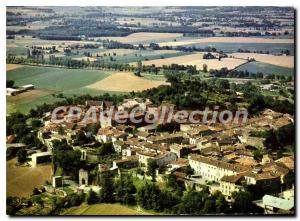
x,y
104,209
146,55
141,37
10,67
48,81
234,47
255,67
20,180
283,61
125,82
196,59
60,79
19,45
228,40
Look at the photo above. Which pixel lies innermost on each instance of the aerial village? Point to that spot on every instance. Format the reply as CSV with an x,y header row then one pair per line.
x,y
216,156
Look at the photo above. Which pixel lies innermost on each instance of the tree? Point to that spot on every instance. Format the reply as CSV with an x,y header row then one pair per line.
x,y
257,154
205,68
35,191
138,70
60,130
151,169
65,157
125,189
9,83
286,135
22,155
149,197
242,203
92,197
80,138
106,149
223,84
36,123
107,189
12,205
222,205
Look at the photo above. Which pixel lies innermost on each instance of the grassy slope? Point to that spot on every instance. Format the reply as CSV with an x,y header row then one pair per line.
x,y
104,209
254,67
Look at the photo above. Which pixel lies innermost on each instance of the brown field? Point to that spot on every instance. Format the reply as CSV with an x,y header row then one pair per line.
x,y
144,36
29,95
10,67
284,61
196,59
125,82
20,180
228,40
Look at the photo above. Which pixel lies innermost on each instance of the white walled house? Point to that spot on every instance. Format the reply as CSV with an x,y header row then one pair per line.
x,y
212,169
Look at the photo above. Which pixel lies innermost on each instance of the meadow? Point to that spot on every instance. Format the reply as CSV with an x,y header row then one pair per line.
x,y
60,79
104,209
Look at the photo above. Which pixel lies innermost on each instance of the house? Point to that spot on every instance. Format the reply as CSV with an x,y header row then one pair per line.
x,y
104,135
287,162
28,87
230,184
161,159
90,103
176,164
212,169
119,146
41,157
273,205
166,138
126,163
11,91
257,142
182,150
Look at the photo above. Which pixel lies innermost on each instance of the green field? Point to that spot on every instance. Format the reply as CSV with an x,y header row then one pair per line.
x,y
255,67
143,56
60,80
233,47
104,209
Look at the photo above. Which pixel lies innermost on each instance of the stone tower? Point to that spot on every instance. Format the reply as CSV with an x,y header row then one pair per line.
x,y
83,177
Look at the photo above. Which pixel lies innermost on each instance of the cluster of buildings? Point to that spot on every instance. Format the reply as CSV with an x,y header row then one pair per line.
x,y
221,157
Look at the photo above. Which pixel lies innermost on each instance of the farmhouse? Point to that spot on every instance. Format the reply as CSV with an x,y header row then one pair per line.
x,y
14,92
